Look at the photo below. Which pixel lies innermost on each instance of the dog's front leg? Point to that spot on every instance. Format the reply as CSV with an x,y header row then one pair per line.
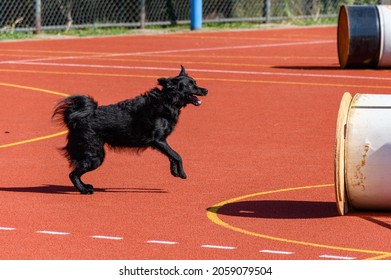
x,y
174,168
175,159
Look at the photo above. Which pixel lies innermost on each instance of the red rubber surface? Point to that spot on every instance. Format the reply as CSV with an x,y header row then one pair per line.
x,y
265,130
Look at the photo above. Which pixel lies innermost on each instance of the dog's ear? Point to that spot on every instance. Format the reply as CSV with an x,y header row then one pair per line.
x,y
183,71
166,83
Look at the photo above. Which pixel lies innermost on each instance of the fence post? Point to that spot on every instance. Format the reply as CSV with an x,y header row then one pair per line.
x,y
195,14
38,18
266,10
142,14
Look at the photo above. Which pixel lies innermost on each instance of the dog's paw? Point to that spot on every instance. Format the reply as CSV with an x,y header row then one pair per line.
x,y
179,175
174,170
88,186
87,191
182,175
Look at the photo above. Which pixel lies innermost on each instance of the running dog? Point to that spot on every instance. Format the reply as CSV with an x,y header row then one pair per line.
x,y
142,122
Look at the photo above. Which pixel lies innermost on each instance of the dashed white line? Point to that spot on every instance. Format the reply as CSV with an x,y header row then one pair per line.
x,y
107,237
165,242
52,232
336,257
276,252
162,242
218,247
7,228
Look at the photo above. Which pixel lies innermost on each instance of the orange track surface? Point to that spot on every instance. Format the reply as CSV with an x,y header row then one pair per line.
x,y
258,153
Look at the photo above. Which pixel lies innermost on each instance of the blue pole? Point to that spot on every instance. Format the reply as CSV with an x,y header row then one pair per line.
x,y
38,18
195,14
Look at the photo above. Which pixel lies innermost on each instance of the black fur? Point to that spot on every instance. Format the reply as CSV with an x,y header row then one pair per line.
x,y
142,122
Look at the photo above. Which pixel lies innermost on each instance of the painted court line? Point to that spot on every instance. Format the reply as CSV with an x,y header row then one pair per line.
x,y
246,212
212,214
171,51
32,140
276,252
107,237
217,71
162,242
52,232
218,247
33,89
7,228
336,257
166,242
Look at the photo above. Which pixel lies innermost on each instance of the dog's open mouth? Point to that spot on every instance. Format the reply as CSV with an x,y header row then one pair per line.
x,y
194,100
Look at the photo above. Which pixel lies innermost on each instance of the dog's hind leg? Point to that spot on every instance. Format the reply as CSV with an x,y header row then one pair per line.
x,y
85,157
77,182
175,159
80,169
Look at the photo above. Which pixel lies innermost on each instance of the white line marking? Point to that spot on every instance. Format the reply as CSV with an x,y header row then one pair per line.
x,y
246,212
276,252
336,257
218,247
52,232
107,237
40,61
264,73
162,242
7,228
96,66
171,51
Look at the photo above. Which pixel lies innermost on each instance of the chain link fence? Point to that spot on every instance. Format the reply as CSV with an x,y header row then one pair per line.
x,y
34,15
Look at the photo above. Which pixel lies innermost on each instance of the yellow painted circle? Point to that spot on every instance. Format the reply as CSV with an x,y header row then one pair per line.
x,y
212,214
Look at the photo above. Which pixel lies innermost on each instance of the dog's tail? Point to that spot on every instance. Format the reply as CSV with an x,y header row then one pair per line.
x,y
71,110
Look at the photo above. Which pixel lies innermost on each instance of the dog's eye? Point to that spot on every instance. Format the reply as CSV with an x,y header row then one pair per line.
x,y
192,83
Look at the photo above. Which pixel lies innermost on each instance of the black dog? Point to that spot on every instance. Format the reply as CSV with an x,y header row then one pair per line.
x,y
142,122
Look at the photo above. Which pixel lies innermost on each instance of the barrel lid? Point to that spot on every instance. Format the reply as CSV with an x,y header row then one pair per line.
x,y
339,157
343,42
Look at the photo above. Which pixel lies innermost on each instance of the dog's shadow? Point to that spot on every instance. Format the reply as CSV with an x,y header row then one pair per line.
x,y
287,209
278,209
70,190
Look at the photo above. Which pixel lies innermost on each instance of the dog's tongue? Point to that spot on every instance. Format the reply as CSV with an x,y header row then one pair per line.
x,y
195,100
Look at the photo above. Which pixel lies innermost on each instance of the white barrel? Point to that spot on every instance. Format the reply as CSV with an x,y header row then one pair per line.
x,y
363,153
368,152
385,38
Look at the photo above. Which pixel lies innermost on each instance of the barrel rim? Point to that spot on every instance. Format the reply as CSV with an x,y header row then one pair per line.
x,y
339,156
384,35
343,53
